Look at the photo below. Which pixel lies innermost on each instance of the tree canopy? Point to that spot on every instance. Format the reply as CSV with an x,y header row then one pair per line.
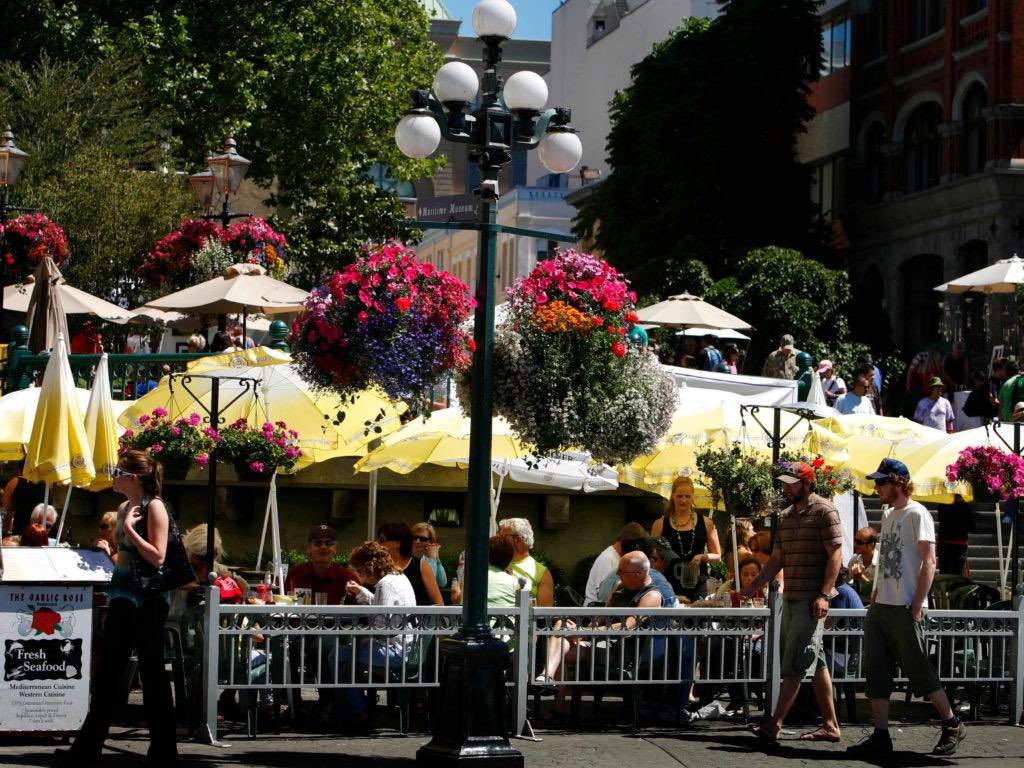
x,y
703,146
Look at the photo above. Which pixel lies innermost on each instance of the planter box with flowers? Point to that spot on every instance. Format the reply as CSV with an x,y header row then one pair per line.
x,y
27,240
566,377
257,453
179,444
386,321
993,474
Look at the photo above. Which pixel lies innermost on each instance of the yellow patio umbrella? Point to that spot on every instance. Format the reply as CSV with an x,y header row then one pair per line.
x,y
101,428
871,438
441,439
58,450
328,427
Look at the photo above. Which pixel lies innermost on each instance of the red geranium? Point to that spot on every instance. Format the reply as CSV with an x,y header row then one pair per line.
x,y
28,239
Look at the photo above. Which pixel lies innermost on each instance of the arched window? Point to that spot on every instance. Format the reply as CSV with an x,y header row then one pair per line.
x,y
874,164
975,144
922,148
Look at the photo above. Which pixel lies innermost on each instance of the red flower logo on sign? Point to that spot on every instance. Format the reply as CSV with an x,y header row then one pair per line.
x,y
45,621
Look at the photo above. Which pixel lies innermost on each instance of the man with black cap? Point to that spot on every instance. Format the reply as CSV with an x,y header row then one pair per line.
x,y
894,628
321,575
808,546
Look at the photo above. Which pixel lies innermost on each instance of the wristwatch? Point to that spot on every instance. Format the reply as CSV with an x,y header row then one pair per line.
x,y
829,596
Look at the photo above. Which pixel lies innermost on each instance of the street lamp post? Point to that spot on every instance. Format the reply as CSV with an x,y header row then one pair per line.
x,y
469,711
12,163
223,176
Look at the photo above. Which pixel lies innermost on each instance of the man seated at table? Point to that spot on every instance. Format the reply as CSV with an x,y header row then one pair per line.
x,y
321,575
607,562
659,553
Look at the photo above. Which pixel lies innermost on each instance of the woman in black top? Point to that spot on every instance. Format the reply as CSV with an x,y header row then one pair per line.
x,y
397,539
694,540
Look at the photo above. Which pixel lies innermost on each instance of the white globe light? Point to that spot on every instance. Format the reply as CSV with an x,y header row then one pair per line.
x,y
417,135
494,18
456,81
560,151
526,91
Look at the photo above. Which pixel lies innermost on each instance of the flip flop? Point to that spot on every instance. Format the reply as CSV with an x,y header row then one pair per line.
x,y
820,734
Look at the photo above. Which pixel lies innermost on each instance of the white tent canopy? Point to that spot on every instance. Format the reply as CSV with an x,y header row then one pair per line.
x,y
753,390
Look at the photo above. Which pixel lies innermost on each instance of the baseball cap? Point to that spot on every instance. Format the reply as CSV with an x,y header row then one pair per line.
x,y
786,340
824,365
890,467
797,472
322,532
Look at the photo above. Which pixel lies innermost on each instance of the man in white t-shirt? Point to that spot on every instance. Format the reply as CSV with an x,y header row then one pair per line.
x,y
856,400
894,628
608,562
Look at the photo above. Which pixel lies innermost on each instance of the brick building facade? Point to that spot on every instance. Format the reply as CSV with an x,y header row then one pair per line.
x,y
917,153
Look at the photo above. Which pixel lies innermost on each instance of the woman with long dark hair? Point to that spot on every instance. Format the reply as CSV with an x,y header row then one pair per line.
x,y
135,616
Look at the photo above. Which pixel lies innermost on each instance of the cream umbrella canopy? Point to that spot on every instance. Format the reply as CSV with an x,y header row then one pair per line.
x,y
58,450
1002,277
685,310
242,288
73,300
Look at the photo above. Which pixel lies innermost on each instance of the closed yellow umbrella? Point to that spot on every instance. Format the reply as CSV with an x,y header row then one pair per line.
x,y
441,439
101,428
58,450
328,427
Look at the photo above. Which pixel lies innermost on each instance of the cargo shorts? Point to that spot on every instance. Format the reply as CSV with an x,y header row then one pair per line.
x,y
802,649
891,638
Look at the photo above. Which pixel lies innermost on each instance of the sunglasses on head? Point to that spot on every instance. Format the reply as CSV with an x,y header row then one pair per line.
x,y
118,472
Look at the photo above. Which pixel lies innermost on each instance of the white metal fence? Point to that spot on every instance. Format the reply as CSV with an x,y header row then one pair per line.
x,y
281,648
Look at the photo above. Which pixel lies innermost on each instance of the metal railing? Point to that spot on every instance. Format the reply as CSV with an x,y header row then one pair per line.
x,y
277,647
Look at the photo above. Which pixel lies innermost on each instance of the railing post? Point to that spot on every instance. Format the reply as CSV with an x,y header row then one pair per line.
x,y
16,349
210,662
524,645
1017,713
773,657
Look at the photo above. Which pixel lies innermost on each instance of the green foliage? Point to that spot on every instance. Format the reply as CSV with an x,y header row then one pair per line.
x,y
292,557
781,291
734,181
745,483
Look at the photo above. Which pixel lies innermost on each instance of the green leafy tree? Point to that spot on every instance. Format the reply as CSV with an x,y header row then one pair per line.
x,y
702,145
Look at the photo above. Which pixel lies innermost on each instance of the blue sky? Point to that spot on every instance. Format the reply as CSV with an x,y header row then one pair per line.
x,y
534,16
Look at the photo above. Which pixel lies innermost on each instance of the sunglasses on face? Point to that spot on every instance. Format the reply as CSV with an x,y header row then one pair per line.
x,y
118,472
322,542
880,483
104,526
627,573
864,542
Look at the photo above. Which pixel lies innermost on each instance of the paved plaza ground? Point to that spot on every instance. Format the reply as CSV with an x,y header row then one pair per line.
x,y
711,744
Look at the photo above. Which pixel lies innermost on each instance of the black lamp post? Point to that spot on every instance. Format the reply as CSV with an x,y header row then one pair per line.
x,y
12,163
469,721
222,177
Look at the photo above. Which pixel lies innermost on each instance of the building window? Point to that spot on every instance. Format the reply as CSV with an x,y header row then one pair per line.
x,y
974,6
926,17
975,144
381,176
922,148
876,30
823,189
874,164
835,43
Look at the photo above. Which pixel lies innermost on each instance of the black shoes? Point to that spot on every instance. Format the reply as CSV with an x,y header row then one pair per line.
x,y
878,744
950,739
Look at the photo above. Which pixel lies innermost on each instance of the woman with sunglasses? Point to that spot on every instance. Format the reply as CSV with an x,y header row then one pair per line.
x,y
135,617
425,545
107,534
397,539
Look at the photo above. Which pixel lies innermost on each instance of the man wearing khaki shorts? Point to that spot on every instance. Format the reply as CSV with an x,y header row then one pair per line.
x,y
894,628
809,547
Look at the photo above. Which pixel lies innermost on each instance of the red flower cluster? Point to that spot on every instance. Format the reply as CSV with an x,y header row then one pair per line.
x,y
28,239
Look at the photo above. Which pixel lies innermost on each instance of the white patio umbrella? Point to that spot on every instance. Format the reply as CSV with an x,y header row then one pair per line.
x,y
723,334
74,300
1002,277
686,310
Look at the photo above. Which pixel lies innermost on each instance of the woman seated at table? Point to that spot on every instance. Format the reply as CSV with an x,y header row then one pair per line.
x,y
106,538
390,589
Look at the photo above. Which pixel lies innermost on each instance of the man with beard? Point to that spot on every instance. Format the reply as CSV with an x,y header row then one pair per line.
x,y
809,547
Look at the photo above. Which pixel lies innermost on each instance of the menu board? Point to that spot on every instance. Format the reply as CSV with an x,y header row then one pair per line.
x,y
46,634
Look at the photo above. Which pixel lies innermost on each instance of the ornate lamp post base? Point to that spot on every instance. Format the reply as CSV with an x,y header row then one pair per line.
x,y
468,715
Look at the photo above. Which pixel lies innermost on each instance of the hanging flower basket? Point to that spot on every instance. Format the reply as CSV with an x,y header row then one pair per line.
x,y
387,321
180,444
27,240
829,481
257,452
994,475
745,483
565,374
200,249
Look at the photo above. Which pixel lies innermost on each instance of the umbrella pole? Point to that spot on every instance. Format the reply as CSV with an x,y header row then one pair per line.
x,y
245,323
263,534
275,533
64,513
735,557
211,512
371,507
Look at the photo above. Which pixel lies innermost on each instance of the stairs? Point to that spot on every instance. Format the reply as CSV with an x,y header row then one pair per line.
x,y
982,551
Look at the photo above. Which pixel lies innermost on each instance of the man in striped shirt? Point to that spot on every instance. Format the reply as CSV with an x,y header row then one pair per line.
x,y
809,547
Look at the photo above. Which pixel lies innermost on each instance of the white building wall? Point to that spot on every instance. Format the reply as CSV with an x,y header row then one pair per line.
x,y
586,79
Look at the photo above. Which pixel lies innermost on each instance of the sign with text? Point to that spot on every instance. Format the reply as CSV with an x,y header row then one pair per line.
x,y
451,208
46,638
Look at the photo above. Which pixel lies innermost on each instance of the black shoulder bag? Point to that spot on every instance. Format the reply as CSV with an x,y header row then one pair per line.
x,y
176,570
